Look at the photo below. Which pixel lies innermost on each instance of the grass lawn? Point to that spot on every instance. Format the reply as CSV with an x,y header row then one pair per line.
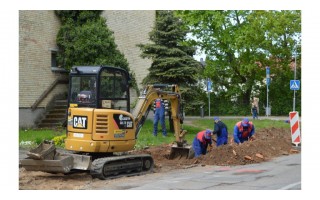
x,y
145,137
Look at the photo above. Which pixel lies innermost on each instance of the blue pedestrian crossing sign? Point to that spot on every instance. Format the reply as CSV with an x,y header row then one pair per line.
x,y
209,85
268,81
294,85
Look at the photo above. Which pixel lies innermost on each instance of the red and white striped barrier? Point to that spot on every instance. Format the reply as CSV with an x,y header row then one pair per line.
x,y
295,128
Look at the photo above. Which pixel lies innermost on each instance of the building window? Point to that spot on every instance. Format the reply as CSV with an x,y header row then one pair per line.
x,y
54,63
54,59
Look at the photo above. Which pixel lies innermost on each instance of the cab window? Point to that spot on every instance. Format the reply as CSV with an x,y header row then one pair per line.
x,y
83,90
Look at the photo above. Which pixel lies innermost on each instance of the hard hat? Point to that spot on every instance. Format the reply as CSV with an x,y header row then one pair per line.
x,y
207,134
245,122
216,118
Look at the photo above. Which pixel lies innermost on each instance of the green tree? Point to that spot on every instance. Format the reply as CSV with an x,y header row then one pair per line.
x,y
239,45
85,39
172,60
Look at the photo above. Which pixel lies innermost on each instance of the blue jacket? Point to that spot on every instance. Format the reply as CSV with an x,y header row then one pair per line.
x,y
200,144
242,133
222,133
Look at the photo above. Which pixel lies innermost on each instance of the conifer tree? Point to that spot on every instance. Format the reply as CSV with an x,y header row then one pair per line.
x,y
172,61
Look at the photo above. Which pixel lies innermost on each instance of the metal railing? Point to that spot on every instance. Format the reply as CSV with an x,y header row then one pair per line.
x,y
48,90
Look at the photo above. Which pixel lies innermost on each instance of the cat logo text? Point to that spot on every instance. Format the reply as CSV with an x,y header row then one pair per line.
x,y
80,122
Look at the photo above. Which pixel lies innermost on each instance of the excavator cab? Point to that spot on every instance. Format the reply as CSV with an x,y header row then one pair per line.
x,y
99,87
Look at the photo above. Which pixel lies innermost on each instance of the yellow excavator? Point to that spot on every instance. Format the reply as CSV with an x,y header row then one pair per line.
x,y
101,130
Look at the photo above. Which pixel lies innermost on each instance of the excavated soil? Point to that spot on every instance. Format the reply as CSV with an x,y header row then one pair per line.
x,y
269,143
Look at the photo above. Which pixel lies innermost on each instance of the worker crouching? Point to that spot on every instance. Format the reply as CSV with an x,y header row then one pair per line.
x,y
201,142
243,131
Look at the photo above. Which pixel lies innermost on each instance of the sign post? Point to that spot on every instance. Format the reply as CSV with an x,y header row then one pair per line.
x,y
294,85
209,86
268,83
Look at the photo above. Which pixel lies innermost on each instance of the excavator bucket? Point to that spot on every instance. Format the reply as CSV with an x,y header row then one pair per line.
x,y
45,150
45,158
184,151
61,164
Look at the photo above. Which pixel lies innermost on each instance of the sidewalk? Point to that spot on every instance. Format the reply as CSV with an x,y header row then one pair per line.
x,y
150,116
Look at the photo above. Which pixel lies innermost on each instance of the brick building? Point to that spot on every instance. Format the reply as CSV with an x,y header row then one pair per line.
x,y
41,82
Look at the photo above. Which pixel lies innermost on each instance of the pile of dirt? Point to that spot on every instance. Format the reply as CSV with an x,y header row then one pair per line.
x,y
269,143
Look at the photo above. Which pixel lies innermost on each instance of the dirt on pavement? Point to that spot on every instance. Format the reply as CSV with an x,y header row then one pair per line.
x,y
269,143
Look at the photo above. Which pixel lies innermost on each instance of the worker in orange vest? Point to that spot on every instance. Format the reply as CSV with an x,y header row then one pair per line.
x,y
243,131
159,114
201,141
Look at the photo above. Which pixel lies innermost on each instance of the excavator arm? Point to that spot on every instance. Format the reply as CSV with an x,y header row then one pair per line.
x,y
172,94
145,102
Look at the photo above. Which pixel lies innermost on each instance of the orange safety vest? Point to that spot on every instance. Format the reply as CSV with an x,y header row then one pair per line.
x,y
201,137
245,133
158,103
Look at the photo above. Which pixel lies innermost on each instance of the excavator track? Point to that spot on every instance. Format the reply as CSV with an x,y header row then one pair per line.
x,y
119,166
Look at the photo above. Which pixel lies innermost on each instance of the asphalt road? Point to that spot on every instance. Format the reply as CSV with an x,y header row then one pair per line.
x,y
283,173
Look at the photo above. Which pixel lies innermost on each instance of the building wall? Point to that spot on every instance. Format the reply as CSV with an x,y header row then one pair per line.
x,y
37,38
132,27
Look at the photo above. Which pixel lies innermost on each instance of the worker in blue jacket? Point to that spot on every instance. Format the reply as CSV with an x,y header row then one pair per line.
x,y
221,130
159,114
243,131
201,141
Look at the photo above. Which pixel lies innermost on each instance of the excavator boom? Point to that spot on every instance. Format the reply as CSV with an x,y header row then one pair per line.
x,y
171,93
